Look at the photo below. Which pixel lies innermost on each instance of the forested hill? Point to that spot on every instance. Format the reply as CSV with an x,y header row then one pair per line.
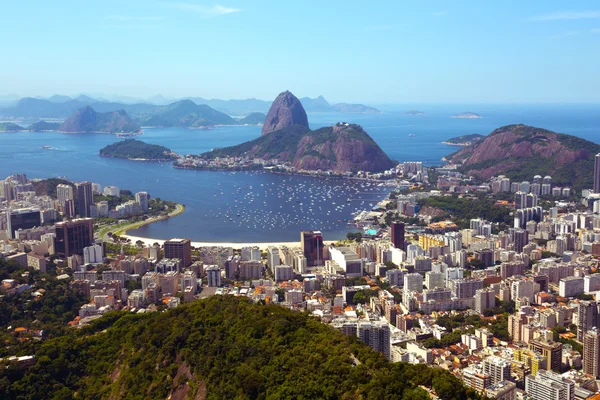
x,y
223,347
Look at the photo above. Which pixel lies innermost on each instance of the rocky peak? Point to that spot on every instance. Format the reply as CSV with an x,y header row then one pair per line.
x,y
285,111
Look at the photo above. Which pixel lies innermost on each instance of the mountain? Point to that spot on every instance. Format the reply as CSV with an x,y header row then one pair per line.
x,y
88,120
285,111
222,347
253,119
8,100
57,98
10,127
341,148
133,149
521,151
186,114
318,104
43,126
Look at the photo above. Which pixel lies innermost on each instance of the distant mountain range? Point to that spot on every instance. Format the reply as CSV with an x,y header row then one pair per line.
x,y
60,106
87,120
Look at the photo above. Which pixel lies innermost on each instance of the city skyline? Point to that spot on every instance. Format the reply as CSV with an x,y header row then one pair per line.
x,y
434,53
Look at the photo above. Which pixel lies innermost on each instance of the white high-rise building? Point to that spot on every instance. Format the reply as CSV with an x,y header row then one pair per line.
x,y
435,279
548,385
213,273
142,198
93,254
413,282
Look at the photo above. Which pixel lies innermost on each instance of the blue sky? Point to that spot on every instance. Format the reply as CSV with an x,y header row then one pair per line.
x,y
373,52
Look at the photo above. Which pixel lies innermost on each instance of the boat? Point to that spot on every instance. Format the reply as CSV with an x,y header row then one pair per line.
x,y
46,147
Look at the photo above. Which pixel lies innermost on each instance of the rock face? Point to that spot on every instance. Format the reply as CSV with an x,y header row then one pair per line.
x,y
86,120
341,148
285,111
521,151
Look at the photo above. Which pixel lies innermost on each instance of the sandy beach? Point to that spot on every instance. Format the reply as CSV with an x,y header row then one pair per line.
x,y
262,246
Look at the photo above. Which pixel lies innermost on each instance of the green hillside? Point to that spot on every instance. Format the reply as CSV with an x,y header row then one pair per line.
x,y
136,149
223,347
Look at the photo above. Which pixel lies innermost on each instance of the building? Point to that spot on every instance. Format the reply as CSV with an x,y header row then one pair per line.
x,y
435,279
24,218
273,258
591,353
213,273
398,235
571,286
73,236
85,198
284,273
550,350
312,247
347,259
413,282
179,248
484,299
465,288
597,174
66,199
497,368
142,198
548,385
587,312
93,254
375,334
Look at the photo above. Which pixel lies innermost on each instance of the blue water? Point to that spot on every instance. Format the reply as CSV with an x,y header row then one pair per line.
x,y
278,206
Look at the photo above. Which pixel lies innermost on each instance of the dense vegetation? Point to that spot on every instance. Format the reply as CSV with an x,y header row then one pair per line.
x,y
136,149
462,210
473,138
219,348
47,187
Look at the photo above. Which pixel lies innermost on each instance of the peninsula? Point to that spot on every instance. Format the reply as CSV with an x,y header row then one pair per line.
x,y
132,149
287,144
465,140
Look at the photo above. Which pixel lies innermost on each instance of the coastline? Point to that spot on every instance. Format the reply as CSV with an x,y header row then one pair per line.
x,y
261,245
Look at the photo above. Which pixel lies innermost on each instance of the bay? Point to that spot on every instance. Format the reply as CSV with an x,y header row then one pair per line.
x,y
277,207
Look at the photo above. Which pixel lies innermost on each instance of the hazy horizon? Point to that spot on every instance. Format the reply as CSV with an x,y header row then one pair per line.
x,y
391,53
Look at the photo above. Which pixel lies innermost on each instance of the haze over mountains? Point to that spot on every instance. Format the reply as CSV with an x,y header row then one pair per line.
x,y
60,106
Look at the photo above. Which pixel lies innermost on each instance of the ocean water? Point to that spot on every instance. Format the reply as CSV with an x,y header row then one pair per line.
x,y
262,207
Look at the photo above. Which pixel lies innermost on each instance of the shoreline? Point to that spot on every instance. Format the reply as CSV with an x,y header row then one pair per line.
x,y
235,245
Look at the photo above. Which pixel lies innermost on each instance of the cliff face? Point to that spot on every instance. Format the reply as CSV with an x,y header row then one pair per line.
x,y
285,111
88,120
521,151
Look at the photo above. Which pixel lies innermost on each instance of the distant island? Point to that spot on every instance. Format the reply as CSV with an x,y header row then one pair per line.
x,y
256,118
10,127
413,113
467,115
465,140
132,149
43,126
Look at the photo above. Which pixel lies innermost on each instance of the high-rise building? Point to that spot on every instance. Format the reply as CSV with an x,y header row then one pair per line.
x,y
24,218
179,248
73,236
66,199
398,235
413,282
497,368
484,299
591,353
548,385
376,335
213,273
597,174
142,198
85,198
312,247
551,351
587,312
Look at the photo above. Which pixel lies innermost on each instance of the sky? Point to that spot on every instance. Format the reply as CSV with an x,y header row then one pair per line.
x,y
373,52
